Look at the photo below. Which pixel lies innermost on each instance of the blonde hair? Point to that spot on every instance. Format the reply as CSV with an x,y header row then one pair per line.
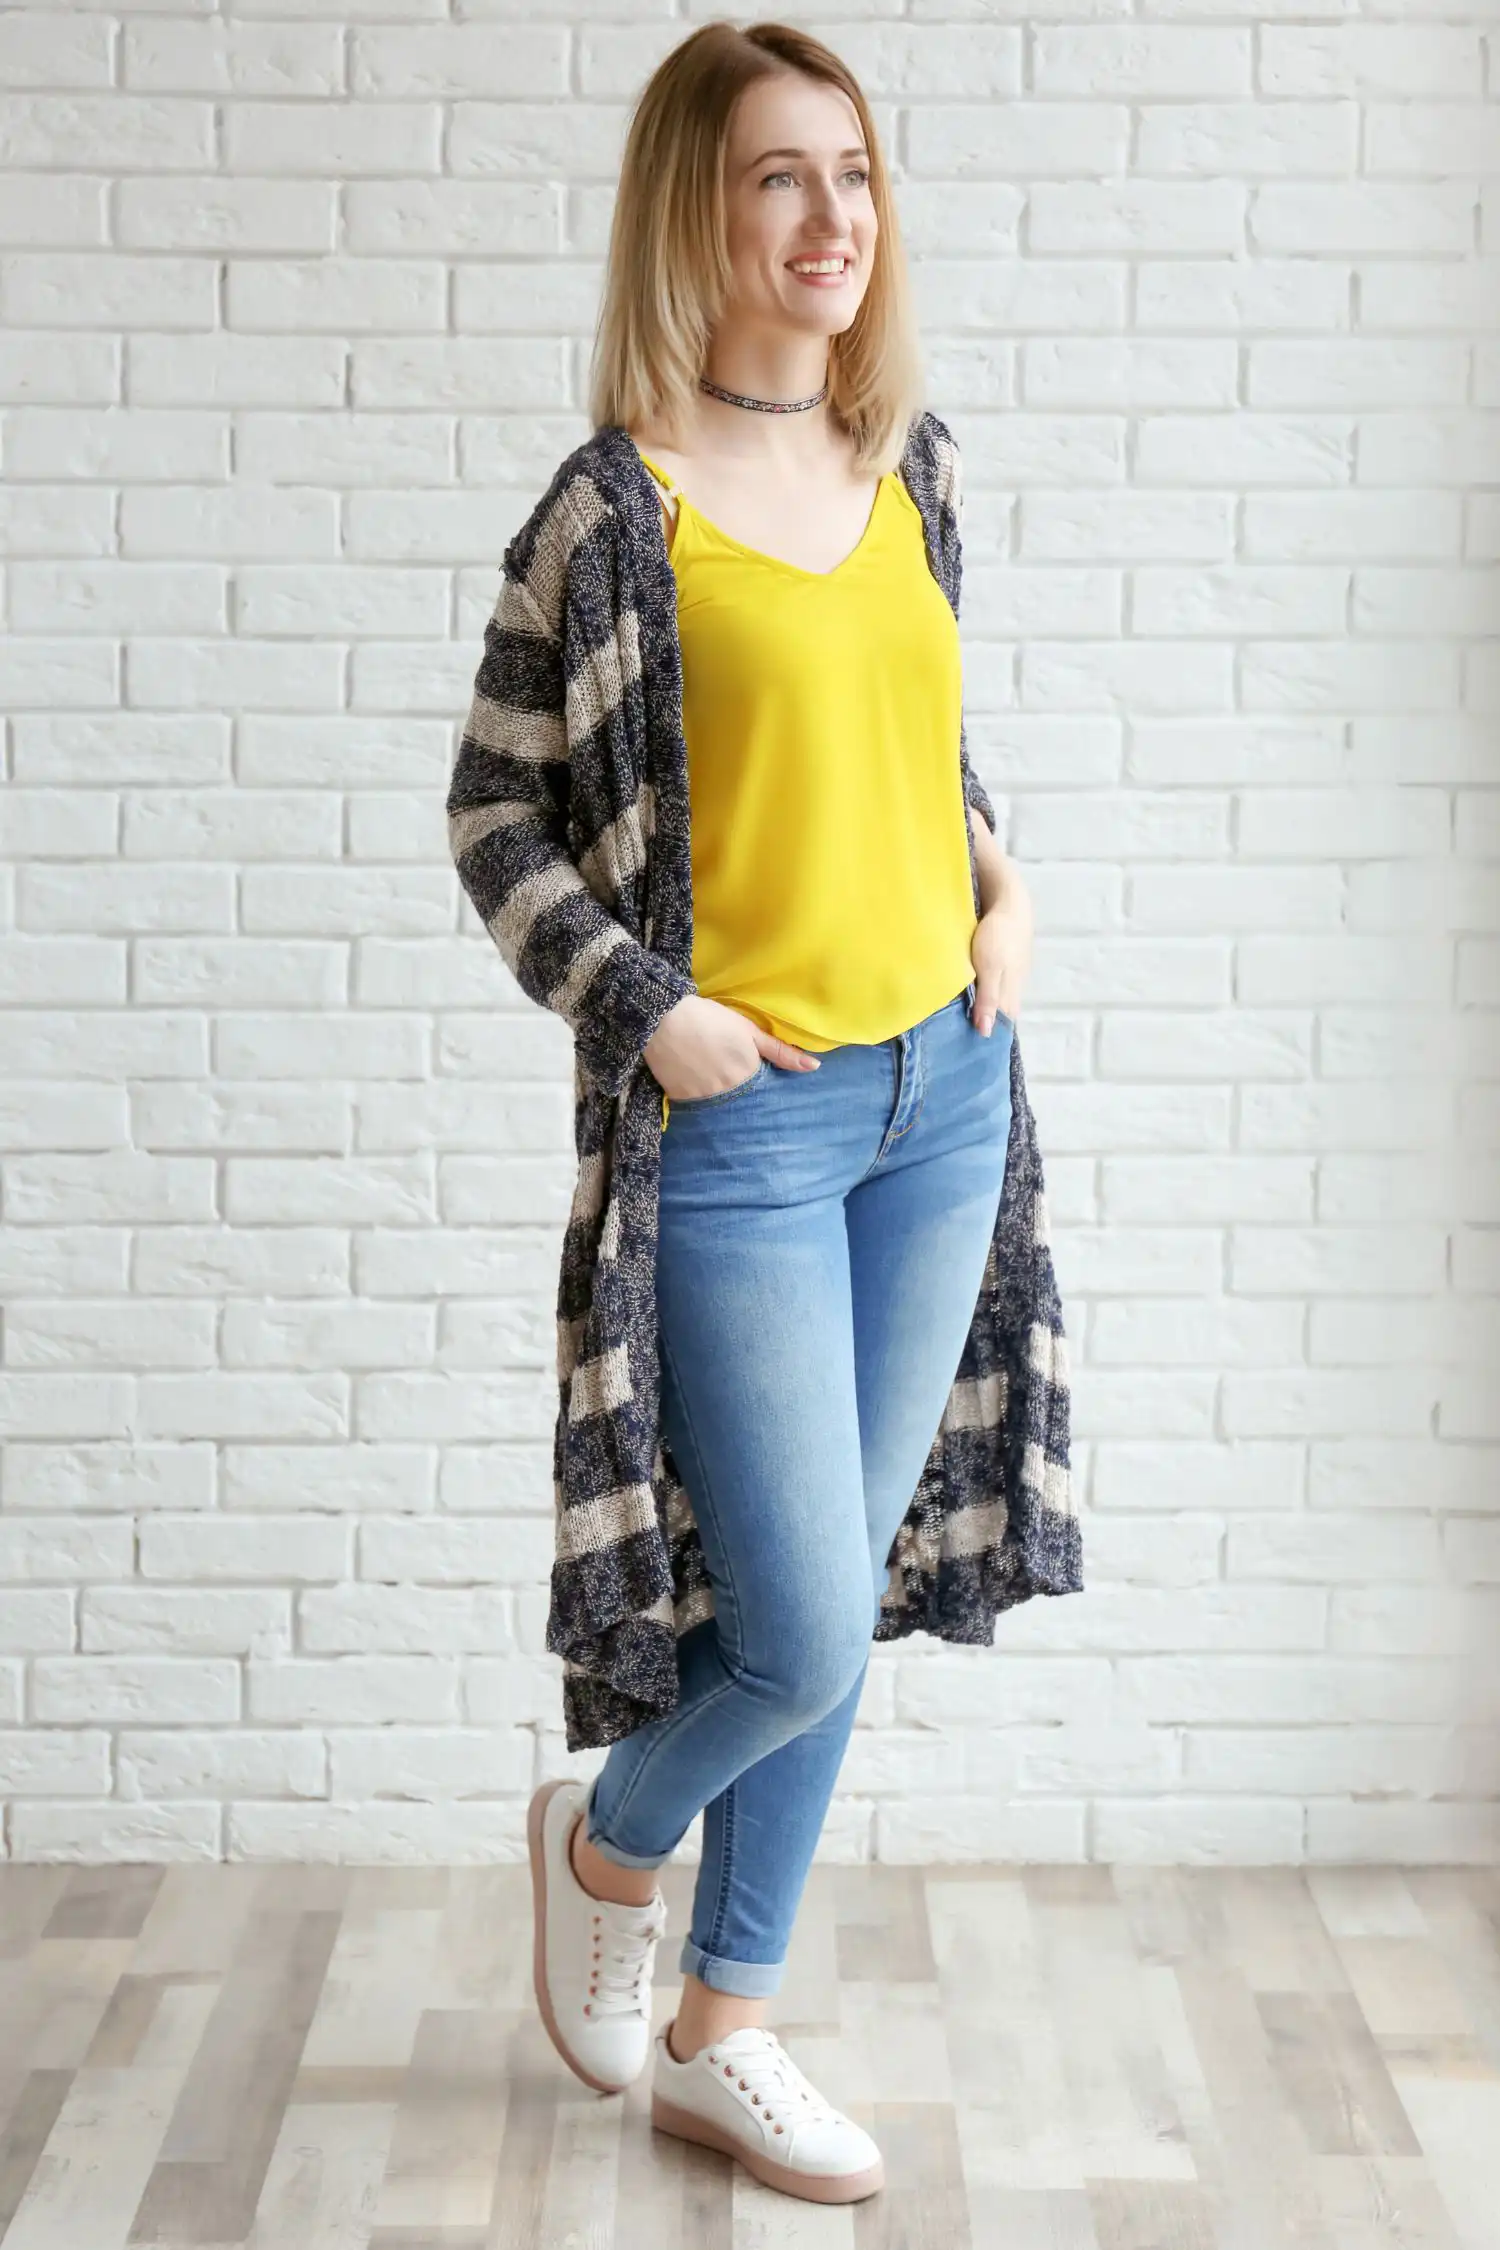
x,y
667,273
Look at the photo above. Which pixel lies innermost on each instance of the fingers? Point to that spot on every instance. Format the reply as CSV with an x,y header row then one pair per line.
x,y
982,1013
786,1056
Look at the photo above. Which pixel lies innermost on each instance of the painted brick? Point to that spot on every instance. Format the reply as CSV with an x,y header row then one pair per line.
x,y
1208,295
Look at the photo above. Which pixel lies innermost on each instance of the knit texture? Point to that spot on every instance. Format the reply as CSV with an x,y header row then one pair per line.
x,y
568,822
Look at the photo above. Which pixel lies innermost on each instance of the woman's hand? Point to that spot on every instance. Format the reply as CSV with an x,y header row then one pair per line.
x,y
700,1047
1000,950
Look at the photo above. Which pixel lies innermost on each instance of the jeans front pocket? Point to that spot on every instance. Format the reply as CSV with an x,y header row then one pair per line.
x,y
725,1094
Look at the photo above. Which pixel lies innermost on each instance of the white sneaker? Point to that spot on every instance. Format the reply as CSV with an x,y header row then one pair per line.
x,y
591,1957
746,2096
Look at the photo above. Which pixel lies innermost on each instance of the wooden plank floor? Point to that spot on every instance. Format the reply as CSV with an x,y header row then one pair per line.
x,y
1051,2059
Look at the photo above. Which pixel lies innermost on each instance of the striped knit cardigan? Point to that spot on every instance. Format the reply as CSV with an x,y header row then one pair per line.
x,y
568,824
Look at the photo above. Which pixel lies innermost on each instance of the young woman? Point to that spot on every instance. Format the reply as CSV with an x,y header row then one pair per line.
x,y
715,805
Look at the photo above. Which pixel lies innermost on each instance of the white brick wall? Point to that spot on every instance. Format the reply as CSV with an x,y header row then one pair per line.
x,y
296,314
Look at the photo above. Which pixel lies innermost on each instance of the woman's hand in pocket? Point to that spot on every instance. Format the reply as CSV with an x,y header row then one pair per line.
x,y
700,1047
1000,950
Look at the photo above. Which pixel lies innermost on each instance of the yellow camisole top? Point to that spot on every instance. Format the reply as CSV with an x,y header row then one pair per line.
x,y
828,831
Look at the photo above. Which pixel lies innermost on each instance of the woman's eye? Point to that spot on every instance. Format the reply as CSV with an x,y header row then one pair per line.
x,y
855,173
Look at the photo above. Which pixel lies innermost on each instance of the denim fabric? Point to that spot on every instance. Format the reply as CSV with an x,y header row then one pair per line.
x,y
823,1237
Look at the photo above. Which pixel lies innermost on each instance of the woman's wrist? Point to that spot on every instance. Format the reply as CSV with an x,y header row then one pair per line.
x,y
1013,904
1001,890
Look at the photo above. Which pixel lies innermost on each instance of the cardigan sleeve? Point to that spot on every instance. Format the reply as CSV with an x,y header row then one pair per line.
x,y
975,793
508,835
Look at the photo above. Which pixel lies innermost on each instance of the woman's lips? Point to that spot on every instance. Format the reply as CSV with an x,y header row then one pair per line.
x,y
822,280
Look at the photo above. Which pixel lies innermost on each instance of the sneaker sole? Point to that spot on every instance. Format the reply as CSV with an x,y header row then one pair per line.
x,y
813,2187
536,1814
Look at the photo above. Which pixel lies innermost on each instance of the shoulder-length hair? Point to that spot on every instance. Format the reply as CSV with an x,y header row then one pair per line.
x,y
667,273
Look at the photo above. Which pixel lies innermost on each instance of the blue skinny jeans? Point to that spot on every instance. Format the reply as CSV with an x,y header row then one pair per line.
x,y
823,1241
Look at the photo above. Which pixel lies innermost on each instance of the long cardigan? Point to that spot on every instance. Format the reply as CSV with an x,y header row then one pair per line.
x,y
568,824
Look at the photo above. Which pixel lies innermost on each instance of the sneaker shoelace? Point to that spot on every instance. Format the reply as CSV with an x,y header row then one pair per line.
x,y
777,2088
620,1959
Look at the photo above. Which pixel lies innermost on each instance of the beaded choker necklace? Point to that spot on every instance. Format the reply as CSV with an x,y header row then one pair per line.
x,y
763,405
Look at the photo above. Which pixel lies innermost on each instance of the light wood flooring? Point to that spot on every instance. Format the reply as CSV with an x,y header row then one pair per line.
x,y
1051,2059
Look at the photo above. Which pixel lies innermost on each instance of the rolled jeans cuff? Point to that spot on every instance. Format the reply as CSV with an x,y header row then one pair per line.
x,y
752,1980
612,1852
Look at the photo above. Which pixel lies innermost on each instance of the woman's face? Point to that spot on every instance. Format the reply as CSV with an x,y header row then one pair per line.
x,y
797,188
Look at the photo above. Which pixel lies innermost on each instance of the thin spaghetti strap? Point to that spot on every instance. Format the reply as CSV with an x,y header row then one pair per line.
x,y
661,476
672,501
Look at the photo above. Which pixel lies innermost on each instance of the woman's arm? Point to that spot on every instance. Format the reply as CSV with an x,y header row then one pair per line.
x,y
508,834
1000,881
1001,945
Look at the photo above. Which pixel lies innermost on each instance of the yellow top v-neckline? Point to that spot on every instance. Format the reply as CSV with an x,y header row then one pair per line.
x,y
759,554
